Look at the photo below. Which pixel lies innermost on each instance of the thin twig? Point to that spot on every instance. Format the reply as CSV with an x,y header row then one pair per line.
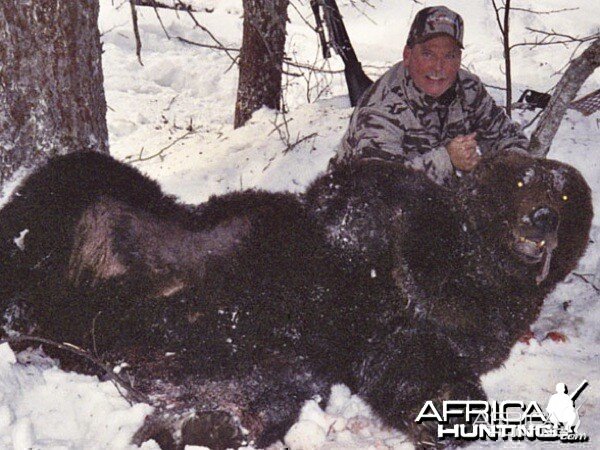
x,y
538,44
582,277
491,86
497,11
313,68
298,141
304,19
512,8
532,121
559,71
160,152
178,6
161,23
136,32
549,35
296,64
591,37
133,394
212,36
215,47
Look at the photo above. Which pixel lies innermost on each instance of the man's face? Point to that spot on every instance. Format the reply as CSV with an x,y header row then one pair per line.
x,y
433,64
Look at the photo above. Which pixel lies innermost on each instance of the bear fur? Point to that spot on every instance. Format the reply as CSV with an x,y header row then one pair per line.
x,y
376,277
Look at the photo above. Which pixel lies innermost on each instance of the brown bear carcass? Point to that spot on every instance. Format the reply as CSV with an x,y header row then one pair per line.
x,y
376,277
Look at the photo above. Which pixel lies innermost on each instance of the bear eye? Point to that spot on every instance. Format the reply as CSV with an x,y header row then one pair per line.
x,y
565,197
520,184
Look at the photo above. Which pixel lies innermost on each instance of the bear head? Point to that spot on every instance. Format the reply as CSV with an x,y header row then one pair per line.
x,y
538,211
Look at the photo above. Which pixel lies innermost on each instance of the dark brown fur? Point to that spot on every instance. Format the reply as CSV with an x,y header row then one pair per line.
x,y
376,277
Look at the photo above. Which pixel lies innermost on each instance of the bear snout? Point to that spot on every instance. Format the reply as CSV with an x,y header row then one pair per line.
x,y
545,219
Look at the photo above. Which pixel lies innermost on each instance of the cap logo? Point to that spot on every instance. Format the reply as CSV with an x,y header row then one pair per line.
x,y
440,19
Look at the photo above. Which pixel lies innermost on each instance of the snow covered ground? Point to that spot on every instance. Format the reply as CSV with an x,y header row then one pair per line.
x,y
173,117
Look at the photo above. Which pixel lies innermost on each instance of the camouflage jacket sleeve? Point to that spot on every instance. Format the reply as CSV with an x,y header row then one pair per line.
x,y
495,130
377,135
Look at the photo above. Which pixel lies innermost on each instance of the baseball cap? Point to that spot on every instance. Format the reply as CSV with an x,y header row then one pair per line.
x,y
434,21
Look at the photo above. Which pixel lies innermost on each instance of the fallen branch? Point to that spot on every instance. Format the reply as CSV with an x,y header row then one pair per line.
x,y
299,140
133,395
141,158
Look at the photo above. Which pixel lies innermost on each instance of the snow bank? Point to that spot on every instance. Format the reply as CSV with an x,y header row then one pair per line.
x,y
43,407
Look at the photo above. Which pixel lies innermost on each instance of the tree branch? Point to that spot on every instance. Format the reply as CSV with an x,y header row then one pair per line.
x,y
212,36
296,64
160,152
498,20
136,32
578,71
533,11
176,6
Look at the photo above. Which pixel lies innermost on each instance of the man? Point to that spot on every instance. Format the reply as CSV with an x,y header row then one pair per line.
x,y
561,410
427,112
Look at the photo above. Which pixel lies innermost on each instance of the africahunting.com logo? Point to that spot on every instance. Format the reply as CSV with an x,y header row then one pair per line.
x,y
508,420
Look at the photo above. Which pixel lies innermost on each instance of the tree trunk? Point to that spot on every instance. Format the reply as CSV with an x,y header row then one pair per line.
x,y
578,71
261,57
51,85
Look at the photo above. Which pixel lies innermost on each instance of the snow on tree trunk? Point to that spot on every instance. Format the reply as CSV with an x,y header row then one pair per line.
x,y
51,85
578,71
261,57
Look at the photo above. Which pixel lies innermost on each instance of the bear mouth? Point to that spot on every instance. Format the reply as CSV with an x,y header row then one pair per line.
x,y
529,250
533,250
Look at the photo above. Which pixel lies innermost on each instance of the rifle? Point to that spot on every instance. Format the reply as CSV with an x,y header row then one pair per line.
x,y
579,390
356,79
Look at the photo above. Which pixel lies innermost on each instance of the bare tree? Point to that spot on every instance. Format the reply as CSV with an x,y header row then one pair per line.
x,y
51,84
578,71
502,10
261,57
504,25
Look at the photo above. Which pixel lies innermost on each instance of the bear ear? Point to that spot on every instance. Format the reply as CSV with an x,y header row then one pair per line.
x,y
116,242
565,178
494,170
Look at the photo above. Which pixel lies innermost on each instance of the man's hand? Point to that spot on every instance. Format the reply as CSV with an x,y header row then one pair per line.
x,y
463,152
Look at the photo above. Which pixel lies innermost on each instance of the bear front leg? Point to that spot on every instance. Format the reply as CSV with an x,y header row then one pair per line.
x,y
283,393
399,374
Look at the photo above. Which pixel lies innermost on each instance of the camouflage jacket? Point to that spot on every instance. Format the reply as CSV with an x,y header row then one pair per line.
x,y
395,120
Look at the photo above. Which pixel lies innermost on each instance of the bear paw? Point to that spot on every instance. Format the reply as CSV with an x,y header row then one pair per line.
x,y
217,430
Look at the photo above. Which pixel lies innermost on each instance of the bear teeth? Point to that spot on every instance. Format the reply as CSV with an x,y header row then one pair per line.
x,y
539,244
